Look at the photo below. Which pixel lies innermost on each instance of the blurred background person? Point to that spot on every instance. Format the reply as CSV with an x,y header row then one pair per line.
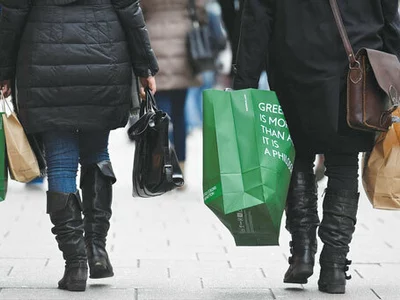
x,y
168,23
219,42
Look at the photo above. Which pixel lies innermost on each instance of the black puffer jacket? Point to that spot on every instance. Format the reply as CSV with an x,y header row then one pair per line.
x,y
73,61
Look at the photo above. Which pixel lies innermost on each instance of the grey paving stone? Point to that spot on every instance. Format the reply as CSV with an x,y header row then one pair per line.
x,y
99,292
376,273
149,277
190,265
386,290
215,294
312,293
245,278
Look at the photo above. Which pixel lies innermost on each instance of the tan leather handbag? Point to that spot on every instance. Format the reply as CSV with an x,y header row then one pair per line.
x,y
373,84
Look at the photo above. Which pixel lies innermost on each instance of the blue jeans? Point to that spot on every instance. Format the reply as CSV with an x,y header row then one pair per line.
x,y
66,149
194,101
173,103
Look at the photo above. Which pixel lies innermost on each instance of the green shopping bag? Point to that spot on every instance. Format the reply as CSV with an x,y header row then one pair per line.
x,y
247,163
3,165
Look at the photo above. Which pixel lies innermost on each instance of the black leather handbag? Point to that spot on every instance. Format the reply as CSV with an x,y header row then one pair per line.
x,y
155,167
200,51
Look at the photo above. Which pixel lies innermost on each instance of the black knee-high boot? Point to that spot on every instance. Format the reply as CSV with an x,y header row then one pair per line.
x,y
96,184
66,215
336,231
302,222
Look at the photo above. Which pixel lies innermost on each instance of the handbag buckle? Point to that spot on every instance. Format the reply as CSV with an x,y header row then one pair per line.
x,y
355,67
168,172
168,169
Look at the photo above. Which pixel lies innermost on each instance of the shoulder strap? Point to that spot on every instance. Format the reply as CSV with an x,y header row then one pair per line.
x,y
193,11
343,32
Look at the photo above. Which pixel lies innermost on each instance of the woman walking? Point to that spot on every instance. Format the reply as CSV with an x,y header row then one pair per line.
x,y
168,23
72,63
299,43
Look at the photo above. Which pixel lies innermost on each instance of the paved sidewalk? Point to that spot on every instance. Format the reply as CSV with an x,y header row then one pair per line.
x,y
173,248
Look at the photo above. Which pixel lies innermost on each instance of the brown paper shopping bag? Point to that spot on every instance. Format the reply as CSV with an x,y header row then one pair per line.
x,y
22,161
381,169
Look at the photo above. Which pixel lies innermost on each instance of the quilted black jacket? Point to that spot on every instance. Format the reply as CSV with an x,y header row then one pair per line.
x,y
73,60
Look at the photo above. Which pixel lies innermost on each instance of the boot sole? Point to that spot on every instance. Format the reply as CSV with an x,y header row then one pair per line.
x,y
333,288
300,275
97,273
101,275
74,287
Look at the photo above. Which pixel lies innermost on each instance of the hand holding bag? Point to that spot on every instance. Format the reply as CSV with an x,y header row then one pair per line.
x,y
373,84
3,160
155,168
22,161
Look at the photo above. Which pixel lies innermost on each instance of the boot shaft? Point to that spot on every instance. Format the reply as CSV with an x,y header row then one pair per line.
x,y
336,232
302,203
65,213
339,220
96,184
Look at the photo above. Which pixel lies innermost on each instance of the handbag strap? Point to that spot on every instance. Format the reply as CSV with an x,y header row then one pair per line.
x,y
343,33
193,13
168,168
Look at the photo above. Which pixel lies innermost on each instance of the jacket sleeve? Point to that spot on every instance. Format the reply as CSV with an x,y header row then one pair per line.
x,y
391,30
144,61
255,30
14,14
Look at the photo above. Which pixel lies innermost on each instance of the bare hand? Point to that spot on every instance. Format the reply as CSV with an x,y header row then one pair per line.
x,y
6,88
149,82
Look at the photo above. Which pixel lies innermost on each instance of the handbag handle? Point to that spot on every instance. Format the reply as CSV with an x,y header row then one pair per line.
x,y
4,103
148,108
343,34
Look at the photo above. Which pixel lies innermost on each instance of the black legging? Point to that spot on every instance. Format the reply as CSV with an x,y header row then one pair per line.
x,y
341,169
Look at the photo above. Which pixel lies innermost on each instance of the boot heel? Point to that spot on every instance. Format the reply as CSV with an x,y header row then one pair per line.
x,y
299,274
100,271
333,288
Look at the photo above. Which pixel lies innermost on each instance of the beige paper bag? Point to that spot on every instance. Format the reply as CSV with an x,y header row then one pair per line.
x,y
381,169
22,161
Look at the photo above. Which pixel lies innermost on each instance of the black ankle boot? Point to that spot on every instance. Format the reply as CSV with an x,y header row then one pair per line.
x,y
332,278
336,231
65,213
96,184
301,221
75,276
303,257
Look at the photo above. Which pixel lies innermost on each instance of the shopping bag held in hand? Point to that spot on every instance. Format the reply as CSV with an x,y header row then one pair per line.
x,y
381,168
3,164
247,163
155,168
22,161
